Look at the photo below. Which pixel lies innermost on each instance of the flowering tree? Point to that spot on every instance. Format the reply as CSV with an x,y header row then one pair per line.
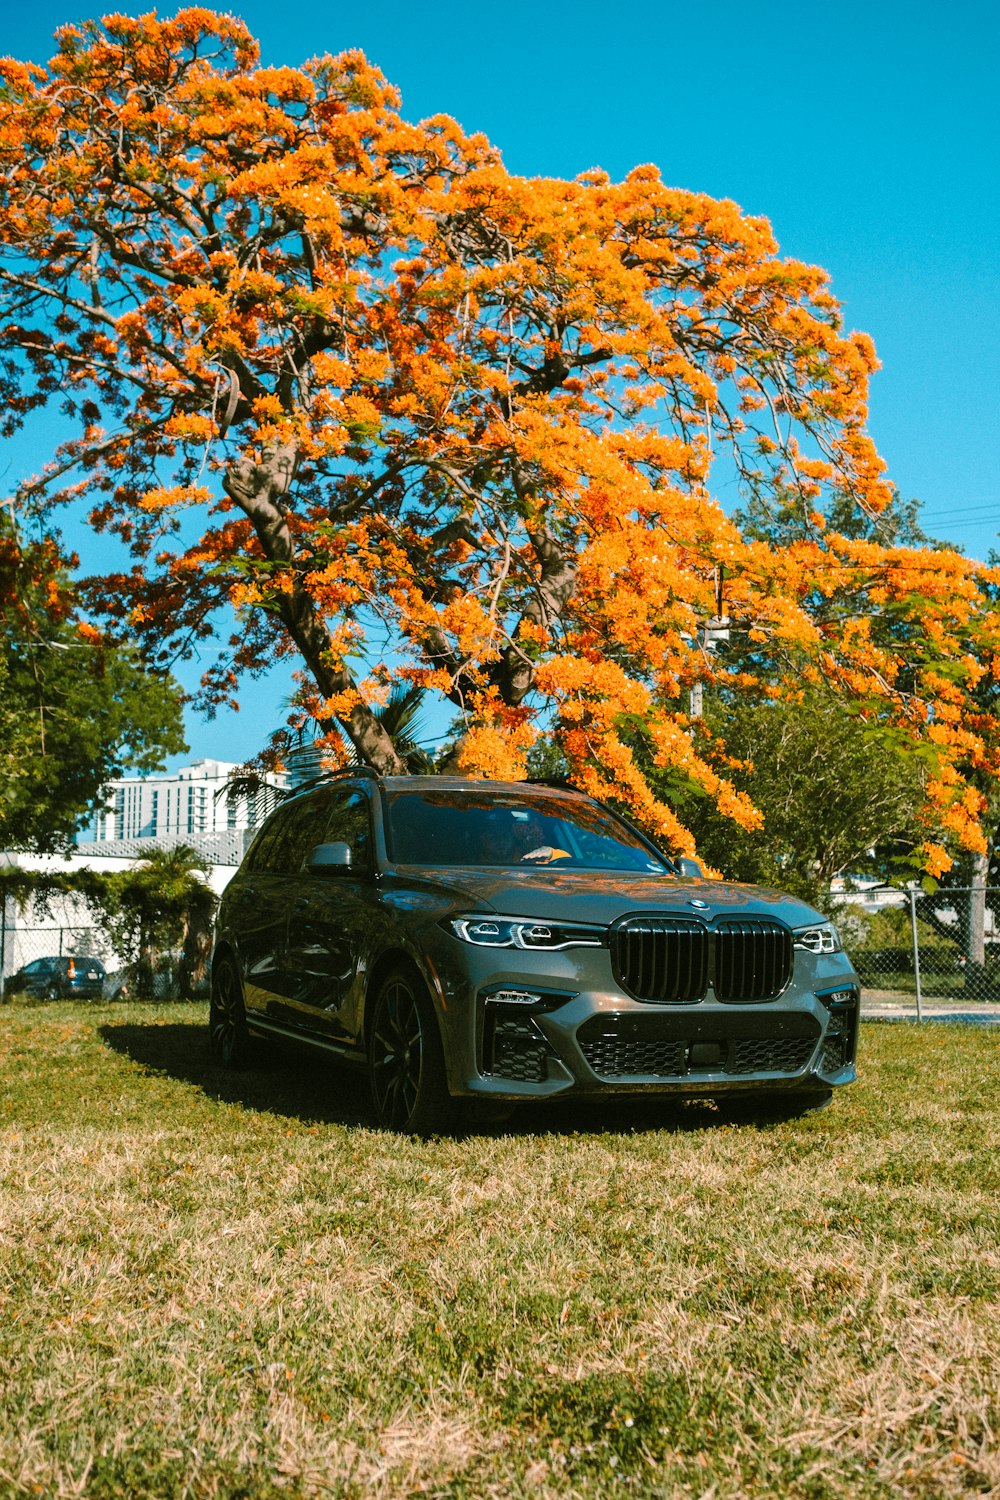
x,y
351,377
76,708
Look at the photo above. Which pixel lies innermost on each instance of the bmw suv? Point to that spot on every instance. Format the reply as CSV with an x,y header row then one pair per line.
x,y
467,939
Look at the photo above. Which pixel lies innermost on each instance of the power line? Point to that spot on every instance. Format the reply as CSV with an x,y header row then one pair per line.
x,y
967,525
962,510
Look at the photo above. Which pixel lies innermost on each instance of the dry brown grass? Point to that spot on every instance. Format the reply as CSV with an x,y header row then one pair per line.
x,y
233,1286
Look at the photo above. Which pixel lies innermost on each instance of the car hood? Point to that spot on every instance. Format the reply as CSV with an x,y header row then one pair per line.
x,y
602,897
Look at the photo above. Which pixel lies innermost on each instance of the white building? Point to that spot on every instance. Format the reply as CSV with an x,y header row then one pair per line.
x,y
194,800
141,814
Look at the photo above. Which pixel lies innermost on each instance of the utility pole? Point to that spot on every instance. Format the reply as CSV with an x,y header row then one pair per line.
x,y
3,945
709,636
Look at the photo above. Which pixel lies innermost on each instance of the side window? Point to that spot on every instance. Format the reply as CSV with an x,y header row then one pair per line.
x,y
296,835
350,823
36,967
257,854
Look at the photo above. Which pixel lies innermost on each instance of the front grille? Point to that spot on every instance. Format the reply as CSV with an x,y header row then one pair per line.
x,y
661,958
513,1048
672,959
676,1046
770,1055
753,959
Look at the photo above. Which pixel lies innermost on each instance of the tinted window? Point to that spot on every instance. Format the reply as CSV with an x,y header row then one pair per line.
x,y
350,823
256,856
296,836
468,828
287,838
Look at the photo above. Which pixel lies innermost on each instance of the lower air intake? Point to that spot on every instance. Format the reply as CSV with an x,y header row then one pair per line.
x,y
676,1047
513,1047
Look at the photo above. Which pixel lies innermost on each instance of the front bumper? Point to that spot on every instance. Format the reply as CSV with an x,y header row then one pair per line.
x,y
581,1033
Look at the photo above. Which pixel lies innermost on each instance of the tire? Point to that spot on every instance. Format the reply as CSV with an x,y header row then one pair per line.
x,y
406,1059
52,993
228,1034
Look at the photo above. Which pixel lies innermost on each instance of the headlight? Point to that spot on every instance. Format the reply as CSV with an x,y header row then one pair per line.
x,y
823,938
524,932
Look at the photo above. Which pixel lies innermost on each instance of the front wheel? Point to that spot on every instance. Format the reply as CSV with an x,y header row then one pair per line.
x,y
228,1034
406,1060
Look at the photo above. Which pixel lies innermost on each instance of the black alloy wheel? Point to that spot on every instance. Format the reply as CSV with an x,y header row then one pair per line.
x,y
405,1060
52,992
227,1017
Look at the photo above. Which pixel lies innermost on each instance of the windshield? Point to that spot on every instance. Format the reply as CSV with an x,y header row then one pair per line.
x,y
457,827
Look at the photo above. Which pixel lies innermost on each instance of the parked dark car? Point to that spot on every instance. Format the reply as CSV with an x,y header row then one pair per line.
x,y
74,976
504,942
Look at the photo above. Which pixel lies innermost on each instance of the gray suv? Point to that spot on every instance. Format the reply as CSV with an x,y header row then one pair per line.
x,y
496,941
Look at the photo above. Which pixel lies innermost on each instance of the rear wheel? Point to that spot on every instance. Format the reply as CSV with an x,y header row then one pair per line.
x,y
406,1059
227,1018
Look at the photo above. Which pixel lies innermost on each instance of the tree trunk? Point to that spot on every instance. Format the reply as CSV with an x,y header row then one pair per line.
x,y
196,950
145,967
258,489
557,573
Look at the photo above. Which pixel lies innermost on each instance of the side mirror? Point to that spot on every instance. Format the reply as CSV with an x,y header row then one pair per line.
x,y
329,859
690,868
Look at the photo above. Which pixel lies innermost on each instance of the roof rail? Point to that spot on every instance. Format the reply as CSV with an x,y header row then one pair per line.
x,y
562,783
324,777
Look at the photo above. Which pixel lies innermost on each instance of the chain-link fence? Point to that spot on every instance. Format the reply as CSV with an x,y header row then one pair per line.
x,y
909,947
915,947
25,967
23,947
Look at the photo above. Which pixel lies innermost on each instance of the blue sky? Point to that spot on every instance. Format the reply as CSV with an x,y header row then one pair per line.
x,y
869,134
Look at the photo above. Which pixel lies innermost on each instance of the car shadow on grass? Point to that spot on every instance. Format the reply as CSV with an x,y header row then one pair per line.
x,y
297,1084
280,1080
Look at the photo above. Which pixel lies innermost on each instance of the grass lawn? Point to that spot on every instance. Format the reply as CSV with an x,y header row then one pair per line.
x,y
231,1285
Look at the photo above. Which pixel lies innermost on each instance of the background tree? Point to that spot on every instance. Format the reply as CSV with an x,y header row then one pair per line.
x,y
76,709
335,369
971,887
838,796
159,916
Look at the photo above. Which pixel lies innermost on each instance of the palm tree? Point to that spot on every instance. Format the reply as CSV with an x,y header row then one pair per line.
x,y
171,906
400,716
